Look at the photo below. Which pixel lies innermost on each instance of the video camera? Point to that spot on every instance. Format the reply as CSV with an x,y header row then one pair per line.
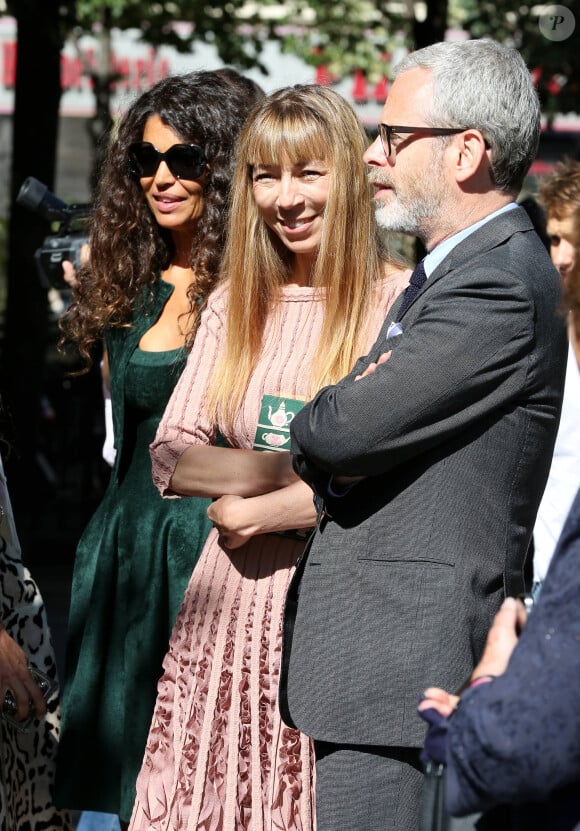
x,y
67,242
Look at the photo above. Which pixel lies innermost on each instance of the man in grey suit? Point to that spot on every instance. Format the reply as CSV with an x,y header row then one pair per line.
x,y
428,462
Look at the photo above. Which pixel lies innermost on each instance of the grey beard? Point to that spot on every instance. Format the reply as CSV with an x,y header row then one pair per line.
x,y
401,220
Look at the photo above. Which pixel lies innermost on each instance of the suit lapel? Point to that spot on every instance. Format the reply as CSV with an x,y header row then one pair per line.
x,y
495,232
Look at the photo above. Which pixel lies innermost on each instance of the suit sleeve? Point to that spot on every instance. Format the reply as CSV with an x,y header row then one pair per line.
x,y
466,355
517,740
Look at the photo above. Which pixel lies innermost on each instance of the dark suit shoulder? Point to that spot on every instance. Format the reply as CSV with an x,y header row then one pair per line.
x,y
509,240
505,250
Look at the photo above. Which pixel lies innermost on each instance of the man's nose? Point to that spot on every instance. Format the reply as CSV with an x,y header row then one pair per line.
x,y
375,154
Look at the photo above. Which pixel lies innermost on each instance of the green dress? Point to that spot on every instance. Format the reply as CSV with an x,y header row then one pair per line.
x,y
132,565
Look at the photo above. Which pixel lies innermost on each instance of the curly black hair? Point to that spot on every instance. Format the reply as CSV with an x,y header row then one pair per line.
x,y
127,246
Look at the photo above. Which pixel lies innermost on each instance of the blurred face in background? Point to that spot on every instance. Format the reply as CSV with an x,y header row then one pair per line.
x,y
564,238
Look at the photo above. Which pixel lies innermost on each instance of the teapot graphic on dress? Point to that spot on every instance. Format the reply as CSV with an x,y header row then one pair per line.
x,y
274,420
280,418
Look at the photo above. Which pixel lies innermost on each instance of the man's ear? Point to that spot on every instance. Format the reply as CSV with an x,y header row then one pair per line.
x,y
471,154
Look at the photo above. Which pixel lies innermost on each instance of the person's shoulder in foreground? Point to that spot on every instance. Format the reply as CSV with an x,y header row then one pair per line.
x,y
30,718
517,740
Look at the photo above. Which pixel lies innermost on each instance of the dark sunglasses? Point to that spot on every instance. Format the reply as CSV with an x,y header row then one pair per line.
x,y
185,161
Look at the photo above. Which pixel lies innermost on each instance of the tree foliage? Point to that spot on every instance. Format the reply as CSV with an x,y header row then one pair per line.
x,y
237,30
363,34
342,36
347,35
555,64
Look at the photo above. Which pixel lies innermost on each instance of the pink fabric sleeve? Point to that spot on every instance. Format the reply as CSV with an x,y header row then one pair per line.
x,y
184,422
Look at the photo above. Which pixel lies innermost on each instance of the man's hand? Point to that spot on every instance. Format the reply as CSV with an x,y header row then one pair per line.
x,y
14,676
69,271
371,367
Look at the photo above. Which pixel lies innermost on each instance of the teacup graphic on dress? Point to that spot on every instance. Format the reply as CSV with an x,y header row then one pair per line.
x,y
276,414
275,440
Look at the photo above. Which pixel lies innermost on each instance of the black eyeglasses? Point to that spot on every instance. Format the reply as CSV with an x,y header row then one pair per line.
x,y
185,161
386,132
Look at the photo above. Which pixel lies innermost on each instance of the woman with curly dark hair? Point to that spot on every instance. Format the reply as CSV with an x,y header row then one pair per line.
x,y
156,239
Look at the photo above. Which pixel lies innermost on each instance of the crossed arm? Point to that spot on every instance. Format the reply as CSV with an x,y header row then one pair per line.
x,y
464,357
254,492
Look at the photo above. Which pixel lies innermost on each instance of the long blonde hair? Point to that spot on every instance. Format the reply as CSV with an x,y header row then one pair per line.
x,y
302,123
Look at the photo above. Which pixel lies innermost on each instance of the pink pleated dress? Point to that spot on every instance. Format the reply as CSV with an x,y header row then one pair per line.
x,y
218,756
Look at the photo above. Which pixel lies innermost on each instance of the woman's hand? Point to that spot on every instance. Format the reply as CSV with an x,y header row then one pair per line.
x,y
15,677
437,699
502,638
237,518
501,641
228,517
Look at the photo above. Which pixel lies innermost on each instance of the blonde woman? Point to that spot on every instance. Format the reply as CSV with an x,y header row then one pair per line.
x,y
305,289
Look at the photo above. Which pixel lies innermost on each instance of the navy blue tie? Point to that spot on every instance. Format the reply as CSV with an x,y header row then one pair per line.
x,y
418,277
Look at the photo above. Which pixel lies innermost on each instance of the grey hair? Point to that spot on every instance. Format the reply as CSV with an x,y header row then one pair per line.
x,y
485,85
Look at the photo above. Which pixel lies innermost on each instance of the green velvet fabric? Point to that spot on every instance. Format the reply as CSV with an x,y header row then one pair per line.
x,y
132,566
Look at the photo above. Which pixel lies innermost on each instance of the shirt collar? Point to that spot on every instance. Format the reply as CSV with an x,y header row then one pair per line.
x,y
435,257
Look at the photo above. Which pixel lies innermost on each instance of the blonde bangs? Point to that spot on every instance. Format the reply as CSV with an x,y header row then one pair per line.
x,y
292,135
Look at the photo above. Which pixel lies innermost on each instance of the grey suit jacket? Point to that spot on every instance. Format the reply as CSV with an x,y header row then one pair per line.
x,y
454,436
